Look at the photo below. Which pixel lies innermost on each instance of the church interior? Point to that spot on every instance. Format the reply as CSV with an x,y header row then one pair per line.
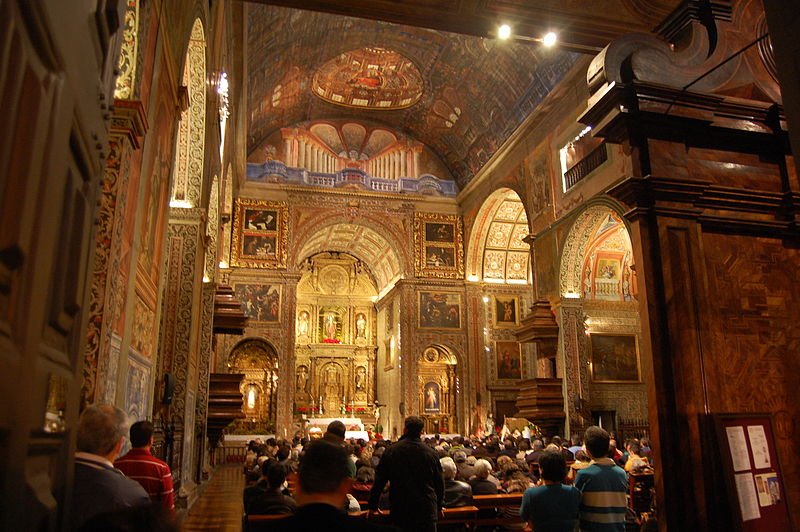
x,y
242,218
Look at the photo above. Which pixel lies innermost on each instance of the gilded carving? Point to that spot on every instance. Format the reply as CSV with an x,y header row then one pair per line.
x,y
260,234
438,246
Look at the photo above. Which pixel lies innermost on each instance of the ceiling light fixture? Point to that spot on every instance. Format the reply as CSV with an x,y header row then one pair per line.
x,y
549,40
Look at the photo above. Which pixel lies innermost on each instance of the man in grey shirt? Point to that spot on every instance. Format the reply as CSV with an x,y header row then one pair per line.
x,y
99,487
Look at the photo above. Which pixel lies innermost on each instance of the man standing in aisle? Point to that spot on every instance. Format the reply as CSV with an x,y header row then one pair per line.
x,y
604,486
416,491
153,474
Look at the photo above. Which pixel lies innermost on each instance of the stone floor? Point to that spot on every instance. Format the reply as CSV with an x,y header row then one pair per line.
x,y
220,507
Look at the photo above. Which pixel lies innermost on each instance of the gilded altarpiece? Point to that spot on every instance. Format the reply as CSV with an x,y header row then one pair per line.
x,y
336,345
438,385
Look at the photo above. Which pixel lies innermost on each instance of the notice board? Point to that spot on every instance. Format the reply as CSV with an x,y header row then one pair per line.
x,y
753,477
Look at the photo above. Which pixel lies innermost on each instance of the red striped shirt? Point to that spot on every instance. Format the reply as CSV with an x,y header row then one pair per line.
x,y
153,474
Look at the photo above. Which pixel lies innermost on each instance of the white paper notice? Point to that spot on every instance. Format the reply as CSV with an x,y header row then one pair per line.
x,y
738,446
748,500
758,444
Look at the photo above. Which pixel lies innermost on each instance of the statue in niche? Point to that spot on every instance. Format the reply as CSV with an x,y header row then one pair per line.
x,y
361,326
301,383
361,378
330,327
302,324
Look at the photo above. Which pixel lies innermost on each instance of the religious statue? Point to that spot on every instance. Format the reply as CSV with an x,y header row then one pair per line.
x,y
302,379
330,326
361,326
361,378
302,324
489,423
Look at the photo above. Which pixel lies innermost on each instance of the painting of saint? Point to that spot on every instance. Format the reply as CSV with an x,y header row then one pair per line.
x,y
439,232
614,357
437,257
330,328
439,310
508,360
259,246
261,302
260,220
506,311
431,398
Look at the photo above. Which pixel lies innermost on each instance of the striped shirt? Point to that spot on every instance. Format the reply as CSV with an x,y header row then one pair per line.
x,y
604,486
153,474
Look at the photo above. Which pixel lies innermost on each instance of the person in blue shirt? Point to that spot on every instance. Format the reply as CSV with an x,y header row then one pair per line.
x,y
603,485
553,506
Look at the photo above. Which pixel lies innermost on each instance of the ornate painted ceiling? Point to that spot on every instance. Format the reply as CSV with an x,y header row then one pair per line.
x,y
459,95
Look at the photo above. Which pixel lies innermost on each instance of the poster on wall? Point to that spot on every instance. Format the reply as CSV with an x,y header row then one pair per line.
x,y
260,231
261,302
439,310
506,311
438,246
508,360
614,357
431,395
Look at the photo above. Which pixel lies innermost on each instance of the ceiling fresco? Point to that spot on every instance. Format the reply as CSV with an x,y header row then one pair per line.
x,y
371,78
471,93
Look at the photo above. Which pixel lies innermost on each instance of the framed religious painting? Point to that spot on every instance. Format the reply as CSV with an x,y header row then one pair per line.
x,y
509,360
439,310
260,302
438,246
614,357
260,231
506,311
431,397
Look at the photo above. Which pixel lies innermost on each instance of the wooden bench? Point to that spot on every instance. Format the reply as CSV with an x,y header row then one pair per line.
x,y
499,501
452,516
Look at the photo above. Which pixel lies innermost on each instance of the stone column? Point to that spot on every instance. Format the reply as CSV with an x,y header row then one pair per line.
x,y
301,157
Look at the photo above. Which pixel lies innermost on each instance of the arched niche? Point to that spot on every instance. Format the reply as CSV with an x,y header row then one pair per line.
x,y
188,167
439,385
599,322
257,360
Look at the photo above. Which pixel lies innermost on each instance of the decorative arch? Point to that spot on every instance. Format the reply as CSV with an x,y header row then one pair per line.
x,y
188,168
375,245
126,65
598,234
497,251
257,360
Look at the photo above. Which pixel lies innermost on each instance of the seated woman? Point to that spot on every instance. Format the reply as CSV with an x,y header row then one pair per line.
x,y
365,477
582,461
270,500
481,485
635,461
553,506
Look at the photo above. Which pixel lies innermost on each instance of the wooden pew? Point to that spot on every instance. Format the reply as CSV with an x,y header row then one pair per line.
x,y
452,516
499,501
261,523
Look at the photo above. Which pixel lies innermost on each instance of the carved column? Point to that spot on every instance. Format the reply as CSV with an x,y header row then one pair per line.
x,y
180,331
128,124
574,366
287,359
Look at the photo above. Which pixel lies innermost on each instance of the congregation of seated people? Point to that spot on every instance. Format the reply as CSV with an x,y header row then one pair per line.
x,y
555,479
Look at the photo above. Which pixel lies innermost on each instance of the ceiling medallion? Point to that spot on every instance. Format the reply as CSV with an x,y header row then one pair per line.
x,y
369,78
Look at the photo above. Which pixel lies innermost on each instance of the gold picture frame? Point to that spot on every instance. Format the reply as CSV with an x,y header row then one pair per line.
x,y
614,357
506,311
438,246
260,233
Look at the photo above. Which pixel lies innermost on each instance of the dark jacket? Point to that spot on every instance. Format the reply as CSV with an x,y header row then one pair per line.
x,y
457,494
465,471
482,486
416,492
320,516
100,489
260,500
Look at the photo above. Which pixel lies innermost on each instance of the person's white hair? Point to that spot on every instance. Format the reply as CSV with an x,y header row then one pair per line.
x,y
482,468
100,428
448,468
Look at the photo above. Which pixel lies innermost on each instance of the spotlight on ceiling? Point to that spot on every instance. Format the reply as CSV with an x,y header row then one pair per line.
x,y
550,39
504,32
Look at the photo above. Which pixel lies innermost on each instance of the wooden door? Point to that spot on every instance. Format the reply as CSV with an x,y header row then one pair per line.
x,y
55,86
